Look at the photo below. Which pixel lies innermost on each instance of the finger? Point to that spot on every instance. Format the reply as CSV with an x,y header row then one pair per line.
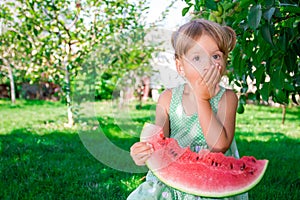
x,y
214,76
200,80
142,160
141,149
143,153
209,76
139,146
144,157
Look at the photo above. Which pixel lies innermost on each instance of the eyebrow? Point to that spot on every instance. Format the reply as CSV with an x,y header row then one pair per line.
x,y
216,49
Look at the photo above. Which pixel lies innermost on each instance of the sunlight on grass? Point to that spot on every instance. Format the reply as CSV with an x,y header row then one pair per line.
x,y
127,121
132,183
42,159
258,120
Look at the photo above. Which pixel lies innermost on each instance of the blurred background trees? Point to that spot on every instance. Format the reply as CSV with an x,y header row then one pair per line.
x,y
46,44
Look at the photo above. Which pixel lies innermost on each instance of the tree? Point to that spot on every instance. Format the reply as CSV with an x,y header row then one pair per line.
x,y
60,34
6,48
268,44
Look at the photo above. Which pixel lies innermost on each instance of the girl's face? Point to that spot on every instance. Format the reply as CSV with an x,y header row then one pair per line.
x,y
200,57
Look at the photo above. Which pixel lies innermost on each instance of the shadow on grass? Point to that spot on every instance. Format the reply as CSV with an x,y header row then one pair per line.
x,y
282,178
42,103
130,130
57,166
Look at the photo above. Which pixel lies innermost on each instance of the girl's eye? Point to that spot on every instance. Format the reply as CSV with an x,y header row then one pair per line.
x,y
196,58
216,57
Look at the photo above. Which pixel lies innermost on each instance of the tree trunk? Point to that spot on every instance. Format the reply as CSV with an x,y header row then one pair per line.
x,y
68,98
283,113
12,84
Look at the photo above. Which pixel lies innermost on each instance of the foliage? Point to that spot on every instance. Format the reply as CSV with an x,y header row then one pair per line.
x,y
124,57
268,44
41,159
54,40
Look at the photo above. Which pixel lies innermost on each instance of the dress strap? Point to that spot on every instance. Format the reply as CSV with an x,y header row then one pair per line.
x,y
176,97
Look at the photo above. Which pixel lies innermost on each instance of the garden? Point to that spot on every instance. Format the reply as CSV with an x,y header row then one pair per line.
x,y
68,67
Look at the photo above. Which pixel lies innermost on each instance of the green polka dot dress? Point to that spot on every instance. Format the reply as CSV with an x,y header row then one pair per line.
x,y
187,131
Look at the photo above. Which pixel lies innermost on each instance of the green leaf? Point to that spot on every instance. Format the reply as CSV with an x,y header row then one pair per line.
x,y
36,32
269,3
281,96
265,91
240,109
197,5
290,60
278,79
242,99
236,61
211,4
269,13
266,34
254,16
283,41
258,73
185,10
289,8
288,87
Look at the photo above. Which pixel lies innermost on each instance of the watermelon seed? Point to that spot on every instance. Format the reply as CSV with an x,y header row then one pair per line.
x,y
173,152
253,160
197,158
243,166
231,166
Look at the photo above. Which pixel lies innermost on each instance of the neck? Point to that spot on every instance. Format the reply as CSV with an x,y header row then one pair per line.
x,y
188,92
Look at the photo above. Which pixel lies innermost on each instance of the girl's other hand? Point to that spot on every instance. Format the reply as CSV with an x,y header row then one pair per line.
x,y
140,152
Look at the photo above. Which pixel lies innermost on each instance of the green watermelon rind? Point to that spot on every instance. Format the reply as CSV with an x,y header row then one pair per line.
x,y
211,194
146,135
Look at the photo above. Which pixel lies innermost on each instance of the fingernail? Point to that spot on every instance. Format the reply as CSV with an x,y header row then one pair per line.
x,y
150,145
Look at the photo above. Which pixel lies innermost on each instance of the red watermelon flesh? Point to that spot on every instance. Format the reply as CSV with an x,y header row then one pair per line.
x,y
205,173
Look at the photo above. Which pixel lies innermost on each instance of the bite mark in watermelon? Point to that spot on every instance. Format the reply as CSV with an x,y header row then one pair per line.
x,y
205,174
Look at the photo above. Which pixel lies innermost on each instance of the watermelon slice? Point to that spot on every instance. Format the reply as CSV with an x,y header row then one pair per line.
x,y
205,174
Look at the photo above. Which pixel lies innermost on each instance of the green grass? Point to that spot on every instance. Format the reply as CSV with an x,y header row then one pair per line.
x,y
41,159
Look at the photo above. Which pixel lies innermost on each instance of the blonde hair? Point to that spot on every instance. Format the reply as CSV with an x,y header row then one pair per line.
x,y
187,34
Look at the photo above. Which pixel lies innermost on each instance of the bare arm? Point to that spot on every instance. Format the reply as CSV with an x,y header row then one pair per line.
x,y
162,111
218,128
141,151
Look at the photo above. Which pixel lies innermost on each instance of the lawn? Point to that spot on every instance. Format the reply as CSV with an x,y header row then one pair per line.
x,y
41,159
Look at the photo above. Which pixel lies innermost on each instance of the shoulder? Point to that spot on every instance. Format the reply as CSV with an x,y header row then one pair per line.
x,y
229,98
165,98
231,95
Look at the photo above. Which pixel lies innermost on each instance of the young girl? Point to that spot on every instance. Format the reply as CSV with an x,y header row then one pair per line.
x,y
199,113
